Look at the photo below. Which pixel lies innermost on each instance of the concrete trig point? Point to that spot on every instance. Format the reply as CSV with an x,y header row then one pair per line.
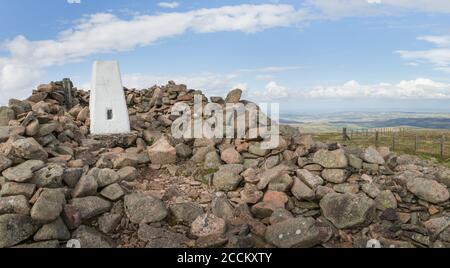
x,y
107,105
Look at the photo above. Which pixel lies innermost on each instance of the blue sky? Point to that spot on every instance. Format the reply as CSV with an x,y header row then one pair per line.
x,y
312,55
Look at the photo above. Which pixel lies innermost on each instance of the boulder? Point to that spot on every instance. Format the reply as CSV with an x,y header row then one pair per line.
x,y
14,188
48,206
55,230
91,238
29,148
23,172
231,156
331,159
50,176
142,208
17,204
347,210
371,155
6,115
429,190
234,96
208,225
334,175
15,228
298,232
185,213
90,206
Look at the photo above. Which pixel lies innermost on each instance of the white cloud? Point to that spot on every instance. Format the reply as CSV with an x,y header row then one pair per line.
x,y
272,91
168,4
332,9
74,1
420,88
439,56
105,32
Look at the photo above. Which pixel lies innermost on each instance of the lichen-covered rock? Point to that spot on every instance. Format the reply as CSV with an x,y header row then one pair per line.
x,y
24,171
371,155
208,225
347,210
331,159
142,208
429,190
15,228
17,204
28,149
90,206
298,232
91,238
48,206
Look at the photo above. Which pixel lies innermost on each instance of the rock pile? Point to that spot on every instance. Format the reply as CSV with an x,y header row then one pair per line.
x,y
148,189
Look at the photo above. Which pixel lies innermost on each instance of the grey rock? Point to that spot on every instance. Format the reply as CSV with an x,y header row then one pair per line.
x,y
71,176
302,191
55,230
268,175
127,159
24,171
283,183
355,161
91,238
331,159
222,208
309,179
17,204
50,176
185,213
371,189
212,161
106,177
5,162
90,206
19,107
128,173
183,150
352,188
46,129
257,150
234,96
347,210
429,190
29,149
334,175
86,186
14,188
142,208
226,181
6,115
298,232
385,200
371,155
108,222
48,205
113,192
15,228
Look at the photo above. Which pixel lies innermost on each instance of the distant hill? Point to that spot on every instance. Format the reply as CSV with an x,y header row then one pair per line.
x,y
433,123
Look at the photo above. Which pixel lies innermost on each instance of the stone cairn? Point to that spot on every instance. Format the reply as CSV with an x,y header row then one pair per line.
x,y
147,189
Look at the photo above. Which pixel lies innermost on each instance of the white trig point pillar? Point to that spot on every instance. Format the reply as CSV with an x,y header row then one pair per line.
x,y
107,105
